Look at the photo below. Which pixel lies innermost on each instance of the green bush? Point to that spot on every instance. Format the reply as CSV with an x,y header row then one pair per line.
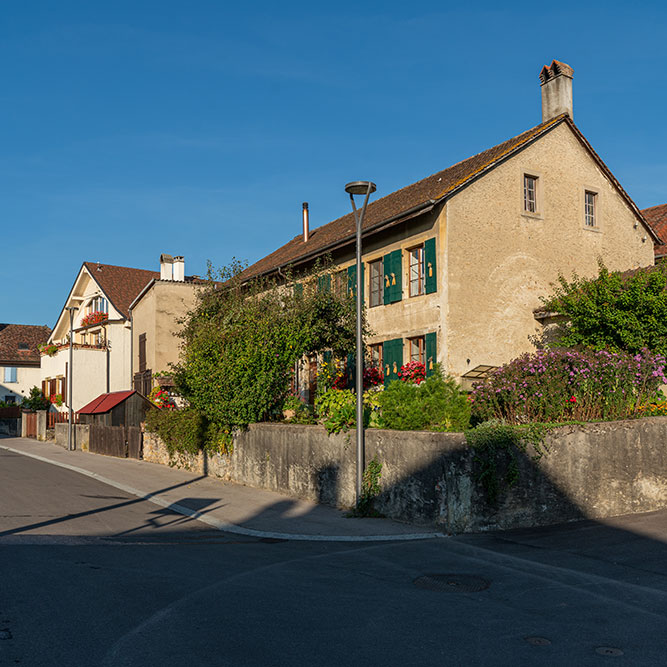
x,y
180,430
36,400
337,409
303,413
437,404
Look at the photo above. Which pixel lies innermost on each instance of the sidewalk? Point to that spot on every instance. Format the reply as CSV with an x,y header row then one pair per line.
x,y
224,505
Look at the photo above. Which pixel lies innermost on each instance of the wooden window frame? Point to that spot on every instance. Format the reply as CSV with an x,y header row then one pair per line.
x,y
530,205
419,263
420,341
377,283
378,349
592,213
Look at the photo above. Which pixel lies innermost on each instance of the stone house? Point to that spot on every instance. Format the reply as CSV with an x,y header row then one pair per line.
x,y
455,264
155,315
19,360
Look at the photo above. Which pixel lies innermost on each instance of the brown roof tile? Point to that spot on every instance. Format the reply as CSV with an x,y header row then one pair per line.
x,y
121,284
429,190
13,337
656,216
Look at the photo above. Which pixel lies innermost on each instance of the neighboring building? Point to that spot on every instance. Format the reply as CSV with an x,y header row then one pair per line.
x,y
101,296
155,314
455,264
656,216
120,408
19,360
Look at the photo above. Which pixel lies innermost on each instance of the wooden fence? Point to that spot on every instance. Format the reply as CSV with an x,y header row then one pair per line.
x,y
120,441
13,412
53,418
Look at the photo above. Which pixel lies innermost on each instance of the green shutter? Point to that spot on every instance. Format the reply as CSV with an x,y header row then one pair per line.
x,y
326,356
393,276
352,280
386,272
392,352
430,266
324,283
298,289
431,344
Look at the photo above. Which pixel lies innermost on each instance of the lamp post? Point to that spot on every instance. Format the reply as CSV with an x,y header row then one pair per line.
x,y
71,310
363,188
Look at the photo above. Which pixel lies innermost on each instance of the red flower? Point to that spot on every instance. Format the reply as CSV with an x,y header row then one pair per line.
x,y
572,399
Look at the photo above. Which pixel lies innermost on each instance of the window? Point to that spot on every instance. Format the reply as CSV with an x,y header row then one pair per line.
x,y
10,399
590,208
99,304
10,374
340,283
377,283
24,346
376,356
416,271
417,349
529,193
142,352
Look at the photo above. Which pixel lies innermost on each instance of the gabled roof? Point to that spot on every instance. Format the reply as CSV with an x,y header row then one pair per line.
x,y
19,343
419,198
120,284
656,216
105,402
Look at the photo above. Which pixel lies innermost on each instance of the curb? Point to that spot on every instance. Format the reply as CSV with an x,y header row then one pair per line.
x,y
223,525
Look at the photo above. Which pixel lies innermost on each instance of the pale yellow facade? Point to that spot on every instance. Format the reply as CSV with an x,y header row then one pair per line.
x,y
156,315
495,260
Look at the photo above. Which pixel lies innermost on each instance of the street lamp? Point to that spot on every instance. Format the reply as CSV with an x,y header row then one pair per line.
x,y
364,188
71,310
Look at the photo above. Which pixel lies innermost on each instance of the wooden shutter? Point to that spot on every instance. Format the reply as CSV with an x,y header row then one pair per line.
x,y
430,267
431,344
298,289
392,353
66,393
393,276
352,280
324,284
142,352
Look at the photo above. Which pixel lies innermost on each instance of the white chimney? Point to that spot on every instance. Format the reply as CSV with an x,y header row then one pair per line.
x,y
556,83
306,224
166,267
179,269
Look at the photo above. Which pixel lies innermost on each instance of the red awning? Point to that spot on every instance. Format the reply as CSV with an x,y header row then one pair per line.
x,y
105,402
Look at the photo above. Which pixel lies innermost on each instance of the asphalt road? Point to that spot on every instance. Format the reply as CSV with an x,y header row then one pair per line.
x,y
91,576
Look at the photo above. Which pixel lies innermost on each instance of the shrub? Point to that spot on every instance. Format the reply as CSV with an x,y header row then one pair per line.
x,y
36,400
303,413
563,385
437,404
613,311
337,409
180,430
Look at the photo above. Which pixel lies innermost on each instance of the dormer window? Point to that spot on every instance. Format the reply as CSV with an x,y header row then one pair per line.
x,y
24,346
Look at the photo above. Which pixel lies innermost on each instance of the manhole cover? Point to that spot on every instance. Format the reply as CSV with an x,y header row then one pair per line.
x,y
463,583
608,650
538,641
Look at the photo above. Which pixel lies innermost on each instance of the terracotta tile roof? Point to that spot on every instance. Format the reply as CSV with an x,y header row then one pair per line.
x,y
429,190
105,402
120,283
14,337
656,216
425,193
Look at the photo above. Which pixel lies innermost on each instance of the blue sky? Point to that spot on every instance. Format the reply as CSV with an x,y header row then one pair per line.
x,y
135,128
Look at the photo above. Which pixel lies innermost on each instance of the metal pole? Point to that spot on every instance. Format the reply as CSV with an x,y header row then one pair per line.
x,y
69,378
359,218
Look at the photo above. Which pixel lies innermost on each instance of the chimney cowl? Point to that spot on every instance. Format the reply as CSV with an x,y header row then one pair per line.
x,y
556,84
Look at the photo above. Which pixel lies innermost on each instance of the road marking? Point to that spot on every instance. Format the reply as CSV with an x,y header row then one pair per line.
x,y
224,525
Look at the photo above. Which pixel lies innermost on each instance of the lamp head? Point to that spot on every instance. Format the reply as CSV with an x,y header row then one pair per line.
x,y
360,187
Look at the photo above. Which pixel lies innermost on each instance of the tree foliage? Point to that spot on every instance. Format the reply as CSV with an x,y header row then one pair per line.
x,y
243,338
614,311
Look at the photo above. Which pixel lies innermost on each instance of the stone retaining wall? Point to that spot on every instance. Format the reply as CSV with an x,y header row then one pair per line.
x,y
595,471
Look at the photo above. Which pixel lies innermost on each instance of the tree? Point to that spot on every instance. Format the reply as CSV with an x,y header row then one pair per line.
x,y
242,340
613,311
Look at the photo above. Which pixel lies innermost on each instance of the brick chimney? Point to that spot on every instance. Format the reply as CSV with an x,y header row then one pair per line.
x,y
556,83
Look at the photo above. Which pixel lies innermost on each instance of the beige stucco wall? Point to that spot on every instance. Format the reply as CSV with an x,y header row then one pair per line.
x,y
27,377
157,315
499,261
